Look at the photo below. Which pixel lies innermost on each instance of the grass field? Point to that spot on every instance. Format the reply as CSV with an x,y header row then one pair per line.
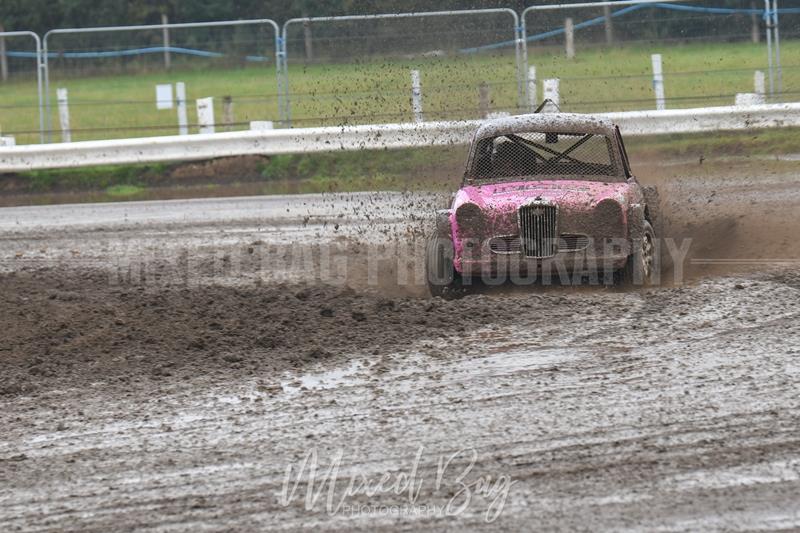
x,y
599,79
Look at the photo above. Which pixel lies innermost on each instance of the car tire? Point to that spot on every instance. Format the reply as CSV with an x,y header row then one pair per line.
x,y
440,273
640,269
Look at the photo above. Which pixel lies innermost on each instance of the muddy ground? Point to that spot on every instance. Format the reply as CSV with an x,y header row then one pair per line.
x,y
163,363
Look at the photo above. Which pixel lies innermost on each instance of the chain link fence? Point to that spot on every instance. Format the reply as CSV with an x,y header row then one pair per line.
x,y
330,71
111,74
21,88
603,55
351,70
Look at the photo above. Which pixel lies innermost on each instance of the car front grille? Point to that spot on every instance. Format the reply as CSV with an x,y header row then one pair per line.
x,y
569,242
505,244
537,227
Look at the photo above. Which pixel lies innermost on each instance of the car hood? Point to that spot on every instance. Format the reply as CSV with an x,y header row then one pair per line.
x,y
565,193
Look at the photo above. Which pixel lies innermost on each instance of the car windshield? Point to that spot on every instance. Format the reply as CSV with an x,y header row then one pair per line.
x,y
545,155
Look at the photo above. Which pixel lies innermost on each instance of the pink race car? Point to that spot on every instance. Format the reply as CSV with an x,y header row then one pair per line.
x,y
544,196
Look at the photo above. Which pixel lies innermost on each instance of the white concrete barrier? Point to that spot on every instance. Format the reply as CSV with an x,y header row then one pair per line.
x,y
382,136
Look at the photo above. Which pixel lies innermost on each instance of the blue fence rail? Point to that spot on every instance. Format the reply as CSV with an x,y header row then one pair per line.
x,y
135,52
630,9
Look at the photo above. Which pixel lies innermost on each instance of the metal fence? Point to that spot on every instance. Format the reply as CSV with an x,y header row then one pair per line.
x,y
22,55
397,67
700,68
375,54
234,62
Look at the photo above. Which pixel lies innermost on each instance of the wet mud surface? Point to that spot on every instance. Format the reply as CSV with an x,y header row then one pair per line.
x,y
163,364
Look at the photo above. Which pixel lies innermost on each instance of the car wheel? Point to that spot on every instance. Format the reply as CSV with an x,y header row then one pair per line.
x,y
440,274
640,269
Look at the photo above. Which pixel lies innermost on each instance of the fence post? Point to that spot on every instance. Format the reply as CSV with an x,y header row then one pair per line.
x,y
550,90
532,88
483,99
658,82
416,96
180,99
227,113
609,24
768,25
755,31
3,58
205,115
569,32
308,40
521,60
63,114
759,83
167,57
777,36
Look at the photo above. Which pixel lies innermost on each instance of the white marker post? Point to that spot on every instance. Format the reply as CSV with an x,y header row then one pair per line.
x,y
759,81
262,125
532,88
658,82
416,96
569,33
63,114
164,99
551,92
205,114
180,99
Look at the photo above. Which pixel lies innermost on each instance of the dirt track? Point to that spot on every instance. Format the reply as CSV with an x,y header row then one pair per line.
x,y
174,393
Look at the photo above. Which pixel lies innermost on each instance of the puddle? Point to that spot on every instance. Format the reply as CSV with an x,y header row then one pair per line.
x,y
329,379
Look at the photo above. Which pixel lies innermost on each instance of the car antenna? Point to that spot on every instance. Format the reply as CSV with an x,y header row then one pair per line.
x,y
544,103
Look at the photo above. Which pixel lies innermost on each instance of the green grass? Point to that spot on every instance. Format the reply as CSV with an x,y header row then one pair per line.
x,y
762,142
124,191
423,168
91,178
598,79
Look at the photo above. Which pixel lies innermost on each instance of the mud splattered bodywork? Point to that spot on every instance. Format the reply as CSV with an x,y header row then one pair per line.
x,y
546,192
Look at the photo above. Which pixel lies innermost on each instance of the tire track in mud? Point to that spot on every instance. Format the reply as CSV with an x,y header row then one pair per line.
x,y
156,404
664,424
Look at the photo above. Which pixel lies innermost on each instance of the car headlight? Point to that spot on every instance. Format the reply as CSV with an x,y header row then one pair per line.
x,y
469,218
608,214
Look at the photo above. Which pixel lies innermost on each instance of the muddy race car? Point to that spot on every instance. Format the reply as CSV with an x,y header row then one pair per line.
x,y
546,198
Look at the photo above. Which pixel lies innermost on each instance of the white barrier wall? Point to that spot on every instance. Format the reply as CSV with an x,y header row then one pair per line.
x,y
382,136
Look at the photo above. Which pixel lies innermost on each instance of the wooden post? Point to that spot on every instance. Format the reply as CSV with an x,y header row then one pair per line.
x,y
227,113
307,38
755,28
609,23
484,99
3,58
167,56
569,32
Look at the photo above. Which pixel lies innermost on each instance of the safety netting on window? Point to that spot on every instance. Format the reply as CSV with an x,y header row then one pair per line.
x,y
545,154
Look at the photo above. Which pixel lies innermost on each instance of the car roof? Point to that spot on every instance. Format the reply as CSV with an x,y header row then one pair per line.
x,y
544,122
